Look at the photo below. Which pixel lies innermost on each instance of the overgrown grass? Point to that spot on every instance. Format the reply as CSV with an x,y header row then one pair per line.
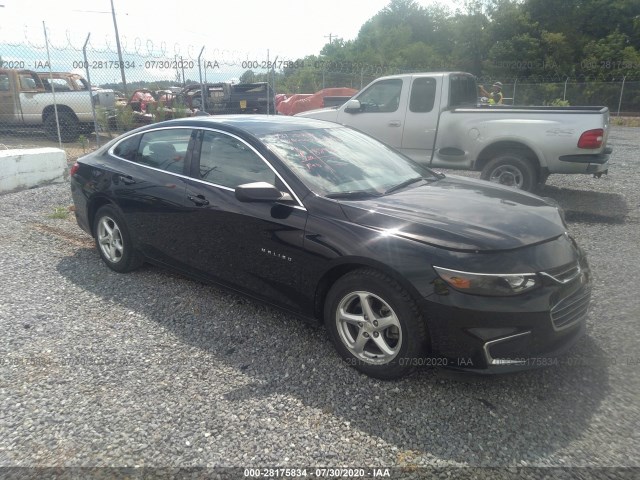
x,y
625,121
61,213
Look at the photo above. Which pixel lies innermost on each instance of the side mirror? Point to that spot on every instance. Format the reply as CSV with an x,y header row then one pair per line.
x,y
259,192
352,106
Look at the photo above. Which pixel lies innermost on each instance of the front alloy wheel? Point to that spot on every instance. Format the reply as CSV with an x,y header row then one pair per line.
x,y
375,324
369,327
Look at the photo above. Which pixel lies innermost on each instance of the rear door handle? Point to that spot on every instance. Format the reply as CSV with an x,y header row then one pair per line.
x,y
395,123
199,200
127,179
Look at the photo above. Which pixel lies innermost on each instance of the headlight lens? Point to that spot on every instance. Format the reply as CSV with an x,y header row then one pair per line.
x,y
493,284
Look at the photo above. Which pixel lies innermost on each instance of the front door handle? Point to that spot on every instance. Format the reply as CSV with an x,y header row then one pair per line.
x,y
199,200
395,123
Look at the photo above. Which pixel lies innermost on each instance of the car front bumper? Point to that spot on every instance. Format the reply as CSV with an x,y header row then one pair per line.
x,y
504,334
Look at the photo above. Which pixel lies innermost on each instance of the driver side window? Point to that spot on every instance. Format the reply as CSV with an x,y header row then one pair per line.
x,y
227,161
383,96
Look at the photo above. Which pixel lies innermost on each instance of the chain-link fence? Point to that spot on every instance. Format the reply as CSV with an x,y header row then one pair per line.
x,y
80,96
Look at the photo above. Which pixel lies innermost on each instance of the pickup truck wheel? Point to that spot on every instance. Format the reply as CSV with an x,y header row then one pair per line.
x,y
374,324
511,169
69,127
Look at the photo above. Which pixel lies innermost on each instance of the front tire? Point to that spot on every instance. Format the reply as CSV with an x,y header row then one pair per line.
x,y
114,242
511,169
375,324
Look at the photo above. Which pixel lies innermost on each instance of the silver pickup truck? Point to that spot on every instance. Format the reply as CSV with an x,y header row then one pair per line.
x,y
25,101
435,119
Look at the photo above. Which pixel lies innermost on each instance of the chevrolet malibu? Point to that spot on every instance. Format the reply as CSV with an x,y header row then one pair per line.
x,y
403,265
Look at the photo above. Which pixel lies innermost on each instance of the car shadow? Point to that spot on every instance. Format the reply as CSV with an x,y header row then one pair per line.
x,y
430,415
586,206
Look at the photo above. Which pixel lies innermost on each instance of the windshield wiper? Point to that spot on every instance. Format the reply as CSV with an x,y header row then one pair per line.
x,y
354,194
406,183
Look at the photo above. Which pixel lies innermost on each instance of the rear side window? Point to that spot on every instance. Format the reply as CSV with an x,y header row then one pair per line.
x,y
463,90
423,95
162,149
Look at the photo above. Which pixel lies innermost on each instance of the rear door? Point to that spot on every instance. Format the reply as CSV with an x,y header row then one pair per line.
x,y
149,185
421,119
250,246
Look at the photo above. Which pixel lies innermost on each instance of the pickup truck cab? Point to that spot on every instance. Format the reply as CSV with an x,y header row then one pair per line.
x,y
26,100
435,119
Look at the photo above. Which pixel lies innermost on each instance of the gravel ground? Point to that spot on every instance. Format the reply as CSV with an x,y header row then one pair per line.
x,y
151,369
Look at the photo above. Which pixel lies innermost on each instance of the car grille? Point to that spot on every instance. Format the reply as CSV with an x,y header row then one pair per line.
x,y
571,309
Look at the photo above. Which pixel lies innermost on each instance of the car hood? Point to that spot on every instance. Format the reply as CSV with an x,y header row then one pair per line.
x,y
461,214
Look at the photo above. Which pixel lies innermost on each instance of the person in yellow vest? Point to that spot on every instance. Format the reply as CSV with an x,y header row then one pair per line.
x,y
495,97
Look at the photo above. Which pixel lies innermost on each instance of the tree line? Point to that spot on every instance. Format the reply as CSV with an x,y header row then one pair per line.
x,y
502,39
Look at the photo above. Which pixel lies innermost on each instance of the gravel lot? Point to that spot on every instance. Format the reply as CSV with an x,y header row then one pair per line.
x,y
152,369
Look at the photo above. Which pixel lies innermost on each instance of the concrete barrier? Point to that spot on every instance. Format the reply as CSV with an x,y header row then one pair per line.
x,y
21,169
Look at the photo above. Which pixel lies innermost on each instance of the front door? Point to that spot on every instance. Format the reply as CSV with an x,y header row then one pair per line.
x,y
380,115
250,246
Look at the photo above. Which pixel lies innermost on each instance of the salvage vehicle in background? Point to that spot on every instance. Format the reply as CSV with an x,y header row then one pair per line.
x,y
435,119
327,97
26,102
63,82
404,266
229,98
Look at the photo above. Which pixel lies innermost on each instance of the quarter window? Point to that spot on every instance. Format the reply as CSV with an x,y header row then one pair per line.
x,y
227,161
128,148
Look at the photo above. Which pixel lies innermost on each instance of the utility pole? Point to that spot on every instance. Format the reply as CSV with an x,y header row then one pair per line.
x,y
115,26
330,36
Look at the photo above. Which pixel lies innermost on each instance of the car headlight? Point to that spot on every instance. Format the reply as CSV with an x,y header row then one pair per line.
x,y
493,284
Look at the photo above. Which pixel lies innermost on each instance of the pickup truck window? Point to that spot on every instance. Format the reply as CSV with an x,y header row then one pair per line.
x,y
423,95
60,84
463,91
27,82
4,82
382,96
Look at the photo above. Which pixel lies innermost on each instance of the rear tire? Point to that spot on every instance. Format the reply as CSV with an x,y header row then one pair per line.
x,y
114,242
69,126
511,169
375,324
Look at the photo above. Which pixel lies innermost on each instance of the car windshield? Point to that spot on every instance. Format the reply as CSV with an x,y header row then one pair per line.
x,y
344,163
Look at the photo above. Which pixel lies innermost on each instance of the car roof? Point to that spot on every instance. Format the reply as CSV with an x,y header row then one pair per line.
x,y
253,124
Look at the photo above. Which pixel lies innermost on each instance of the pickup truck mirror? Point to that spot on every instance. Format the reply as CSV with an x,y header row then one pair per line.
x,y
352,106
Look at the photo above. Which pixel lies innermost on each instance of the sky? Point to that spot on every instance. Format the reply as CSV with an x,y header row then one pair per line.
x,y
244,29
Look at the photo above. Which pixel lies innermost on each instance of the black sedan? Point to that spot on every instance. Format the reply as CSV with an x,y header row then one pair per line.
x,y
405,266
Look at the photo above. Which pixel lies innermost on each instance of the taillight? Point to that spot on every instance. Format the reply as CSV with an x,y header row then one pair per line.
x,y
74,169
591,138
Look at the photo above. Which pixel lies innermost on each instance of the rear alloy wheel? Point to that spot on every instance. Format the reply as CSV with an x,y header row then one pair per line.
x,y
69,127
375,324
113,241
512,170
